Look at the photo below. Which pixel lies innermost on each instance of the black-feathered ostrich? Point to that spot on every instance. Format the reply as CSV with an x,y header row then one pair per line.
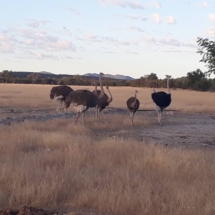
x,y
60,91
133,105
103,99
81,100
161,100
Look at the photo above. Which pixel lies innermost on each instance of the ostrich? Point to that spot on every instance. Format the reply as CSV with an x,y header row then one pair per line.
x,y
60,91
81,100
133,105
103,99
61,100
96,92
161,100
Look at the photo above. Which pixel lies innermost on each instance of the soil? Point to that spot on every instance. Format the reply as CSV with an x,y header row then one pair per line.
x,y
179,129
195,131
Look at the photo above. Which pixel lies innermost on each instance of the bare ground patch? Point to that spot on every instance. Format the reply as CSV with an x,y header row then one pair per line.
x,y
108,167
179,129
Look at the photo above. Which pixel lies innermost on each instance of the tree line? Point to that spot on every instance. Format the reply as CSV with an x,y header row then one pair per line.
x,y
194,80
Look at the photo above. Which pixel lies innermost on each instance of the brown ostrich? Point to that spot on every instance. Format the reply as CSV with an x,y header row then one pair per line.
x,y
81,100
133,105
60,91
103,99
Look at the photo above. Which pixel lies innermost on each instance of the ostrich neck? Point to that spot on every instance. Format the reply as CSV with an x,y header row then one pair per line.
x,y
168,89
135,99
95,87
102,90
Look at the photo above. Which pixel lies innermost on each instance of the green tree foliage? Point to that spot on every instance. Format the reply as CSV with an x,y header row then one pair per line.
x,y
151,76
198,81
34,77
207,50
7,75
195,76
195,80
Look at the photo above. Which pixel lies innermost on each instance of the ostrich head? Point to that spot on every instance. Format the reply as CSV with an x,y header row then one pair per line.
x,y
136,91
168,77
102,74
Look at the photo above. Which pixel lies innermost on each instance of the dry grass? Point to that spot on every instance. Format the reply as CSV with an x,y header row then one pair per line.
x,y
56,163
37,97
50,164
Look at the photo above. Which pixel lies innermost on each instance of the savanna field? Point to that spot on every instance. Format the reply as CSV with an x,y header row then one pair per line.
x,y
109,167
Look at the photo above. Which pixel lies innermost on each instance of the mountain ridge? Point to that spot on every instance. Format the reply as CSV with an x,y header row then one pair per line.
x,y
117,76
45,74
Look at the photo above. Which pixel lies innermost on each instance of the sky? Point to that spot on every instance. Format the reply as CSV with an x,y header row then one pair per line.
x,y
127,37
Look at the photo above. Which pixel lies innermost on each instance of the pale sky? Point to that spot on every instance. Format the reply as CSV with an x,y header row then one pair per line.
x,y
127,37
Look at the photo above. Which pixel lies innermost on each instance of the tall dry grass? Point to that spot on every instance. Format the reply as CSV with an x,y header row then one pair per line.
x,y
50,164
37,97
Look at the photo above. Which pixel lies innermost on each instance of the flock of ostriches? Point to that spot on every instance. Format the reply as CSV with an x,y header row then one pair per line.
x,y
84,99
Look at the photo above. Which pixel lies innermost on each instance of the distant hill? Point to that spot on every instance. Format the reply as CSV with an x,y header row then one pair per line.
x,y
119,77
44,74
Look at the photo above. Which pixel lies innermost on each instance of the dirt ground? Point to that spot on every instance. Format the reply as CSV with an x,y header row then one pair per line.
x,y
183,130
179,129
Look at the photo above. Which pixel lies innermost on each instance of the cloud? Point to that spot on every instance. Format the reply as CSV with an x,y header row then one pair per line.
x,y
205,4
37,55
153,4
156,17
42,56
212,17
131,52
211,32
75,12
67,57
122,3
34,40
118,43
102,3
148,40
131,17
135,17
36,35
169,41
43,40
36,23
92,37
171,20
110,52
135,5
134,28
67,31
7,44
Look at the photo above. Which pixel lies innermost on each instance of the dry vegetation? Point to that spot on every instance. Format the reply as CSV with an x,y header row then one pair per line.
x,y
56,164
37,97
43,164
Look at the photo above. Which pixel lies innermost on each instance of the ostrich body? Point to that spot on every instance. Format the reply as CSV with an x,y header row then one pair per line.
x,y
81,100
161,100
133,105
60,91
103,99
